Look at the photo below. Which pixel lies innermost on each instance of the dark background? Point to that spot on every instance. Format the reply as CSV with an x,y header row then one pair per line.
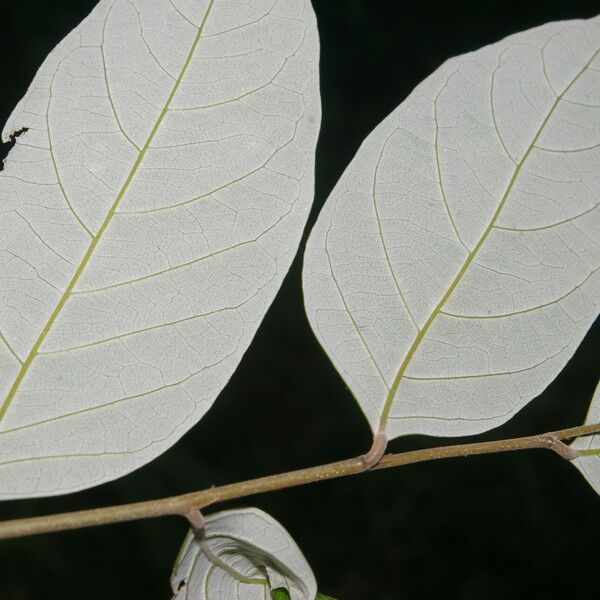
x,y
524,525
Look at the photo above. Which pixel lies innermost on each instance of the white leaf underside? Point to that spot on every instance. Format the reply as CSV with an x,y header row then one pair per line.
x,y
590,465
147,218
244,555
455,267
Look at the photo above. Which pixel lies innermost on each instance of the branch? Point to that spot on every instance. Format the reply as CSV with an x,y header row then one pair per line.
x,y
189,504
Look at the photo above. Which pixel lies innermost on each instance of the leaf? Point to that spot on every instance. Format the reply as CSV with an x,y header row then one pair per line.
x,y
323,597
148,216
589,446
244,555
455,267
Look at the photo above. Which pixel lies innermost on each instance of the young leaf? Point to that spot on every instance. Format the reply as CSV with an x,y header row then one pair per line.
x,y
589,447
456,267
244,555
148,216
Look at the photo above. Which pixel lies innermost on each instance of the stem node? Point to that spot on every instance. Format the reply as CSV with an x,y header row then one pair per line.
x,y
376,452
563,450
196,520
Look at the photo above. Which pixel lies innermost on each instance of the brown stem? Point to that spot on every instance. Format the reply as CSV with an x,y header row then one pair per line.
x,y
190,505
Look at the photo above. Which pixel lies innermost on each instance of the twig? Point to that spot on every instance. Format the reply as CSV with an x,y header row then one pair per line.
x,y
190,505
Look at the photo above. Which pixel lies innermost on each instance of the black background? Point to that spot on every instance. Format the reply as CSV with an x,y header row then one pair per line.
x,y
508,526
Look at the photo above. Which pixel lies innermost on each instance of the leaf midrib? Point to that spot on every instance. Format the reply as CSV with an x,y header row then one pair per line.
x,y
436,311
96,239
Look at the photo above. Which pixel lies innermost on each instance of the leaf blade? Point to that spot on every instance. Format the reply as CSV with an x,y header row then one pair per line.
x,y
104,276
589,464
244,554
401,268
